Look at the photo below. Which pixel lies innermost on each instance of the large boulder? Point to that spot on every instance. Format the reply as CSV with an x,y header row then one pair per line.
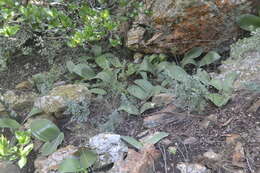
x,y
176,26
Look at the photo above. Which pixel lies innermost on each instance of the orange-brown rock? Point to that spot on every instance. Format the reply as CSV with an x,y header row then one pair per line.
x,y
137,162
176,26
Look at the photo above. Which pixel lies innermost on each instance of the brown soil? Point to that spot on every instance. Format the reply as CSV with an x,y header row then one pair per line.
x,y
232,120
22,68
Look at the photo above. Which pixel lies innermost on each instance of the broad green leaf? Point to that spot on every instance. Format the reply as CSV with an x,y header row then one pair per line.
x,y
87,158
70,66
9,123
217,83
146,66
156,138
22,162
84,71
144,75
105,75
249,22
203,76
69,165
98,91
177,73
129,108
34,111
44,130
131,69
144,84
218,99
138,92
50,147
185,62
158,89
210,58
116,62
132,141
102,62
147,106
191,55
96,50
229,81
164,65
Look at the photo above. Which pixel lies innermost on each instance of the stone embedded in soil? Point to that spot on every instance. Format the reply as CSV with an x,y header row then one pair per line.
x,y
58,97
178,25
109,147
137,162
7,167
20,101
211,155
25,85
163,99
52,162
192,168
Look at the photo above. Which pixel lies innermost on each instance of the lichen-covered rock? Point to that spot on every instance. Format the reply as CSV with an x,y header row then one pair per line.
x,y
109,147
176,26
58,97
51,163
19,101
244,60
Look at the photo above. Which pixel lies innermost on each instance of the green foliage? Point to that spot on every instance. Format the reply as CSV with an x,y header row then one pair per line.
x,y
81,163
249,22
18,151
48,29
79,111
192,93
114,120
190,56
47,132
44,81
9,123
151,140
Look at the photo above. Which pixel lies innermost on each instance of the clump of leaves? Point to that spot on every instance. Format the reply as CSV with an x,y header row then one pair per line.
x,y
79,110
249,22
48,132
18,151
82,161
44,81
151,140
190,57
21,144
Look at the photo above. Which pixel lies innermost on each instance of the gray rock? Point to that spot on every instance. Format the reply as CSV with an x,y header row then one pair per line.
x,y
244,60
7,167
192,168
109,147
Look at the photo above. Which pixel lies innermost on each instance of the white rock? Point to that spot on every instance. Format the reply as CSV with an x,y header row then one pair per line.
x,y
109,147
